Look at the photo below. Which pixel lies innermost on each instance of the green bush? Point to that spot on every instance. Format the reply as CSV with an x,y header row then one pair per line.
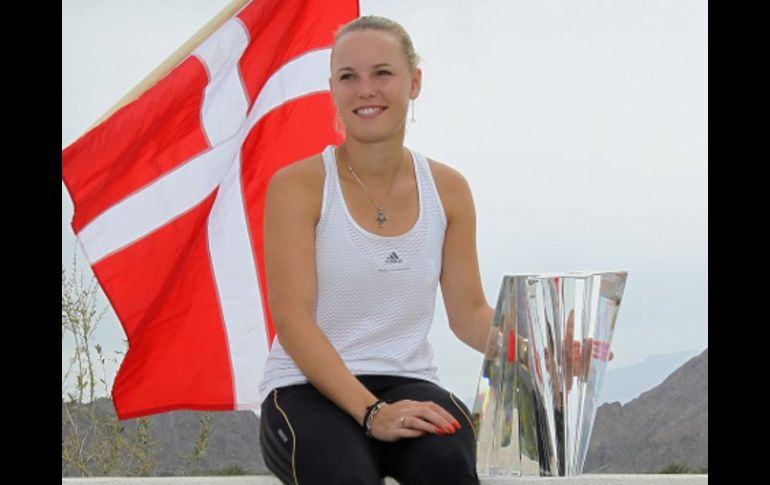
x,y
231,470
677,469
94,442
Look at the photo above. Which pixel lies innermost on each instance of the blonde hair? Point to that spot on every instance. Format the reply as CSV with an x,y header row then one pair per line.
x,y
374,22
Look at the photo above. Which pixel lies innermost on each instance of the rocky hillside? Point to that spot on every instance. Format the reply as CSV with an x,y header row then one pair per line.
x,y
667,425
664,426
168,442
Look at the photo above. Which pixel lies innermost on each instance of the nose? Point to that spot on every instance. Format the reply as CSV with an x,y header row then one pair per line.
x,y
367,91
366,94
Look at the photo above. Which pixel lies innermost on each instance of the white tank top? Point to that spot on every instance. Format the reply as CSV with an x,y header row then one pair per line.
x,y
376,294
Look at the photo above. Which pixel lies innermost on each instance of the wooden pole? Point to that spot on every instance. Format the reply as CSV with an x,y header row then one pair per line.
x,y
178,56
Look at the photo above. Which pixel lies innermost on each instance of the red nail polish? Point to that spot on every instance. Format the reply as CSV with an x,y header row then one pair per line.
x,y
440,431
456,425
449,431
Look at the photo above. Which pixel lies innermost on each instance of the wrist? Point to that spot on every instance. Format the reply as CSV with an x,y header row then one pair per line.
x,y
371,412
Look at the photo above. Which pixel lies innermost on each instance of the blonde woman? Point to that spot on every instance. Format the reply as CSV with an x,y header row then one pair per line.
x,y
357,239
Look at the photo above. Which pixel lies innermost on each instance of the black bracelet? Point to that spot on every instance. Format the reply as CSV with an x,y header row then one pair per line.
x,y
370,412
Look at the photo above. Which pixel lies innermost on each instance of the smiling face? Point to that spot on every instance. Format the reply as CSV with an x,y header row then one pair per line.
x,y
371,84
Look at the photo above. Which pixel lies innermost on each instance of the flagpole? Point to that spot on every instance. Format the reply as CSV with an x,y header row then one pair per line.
x,y
174,59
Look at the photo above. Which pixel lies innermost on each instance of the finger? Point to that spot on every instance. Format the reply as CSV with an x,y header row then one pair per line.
x,y
410,433
413,424
449,416
426,416
418,423
439,417
439,423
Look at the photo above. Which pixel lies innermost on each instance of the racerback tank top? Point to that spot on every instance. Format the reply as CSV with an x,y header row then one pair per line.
x,y
375,294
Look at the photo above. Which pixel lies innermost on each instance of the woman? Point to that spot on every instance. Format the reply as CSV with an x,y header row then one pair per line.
x,y
357,239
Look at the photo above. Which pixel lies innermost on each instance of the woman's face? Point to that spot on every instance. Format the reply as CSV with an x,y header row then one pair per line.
x,y
369,69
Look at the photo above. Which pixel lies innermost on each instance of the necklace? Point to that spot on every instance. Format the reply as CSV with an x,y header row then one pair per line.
x,y
381,218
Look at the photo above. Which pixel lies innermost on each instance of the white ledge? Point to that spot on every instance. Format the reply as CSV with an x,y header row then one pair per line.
x,y
270,480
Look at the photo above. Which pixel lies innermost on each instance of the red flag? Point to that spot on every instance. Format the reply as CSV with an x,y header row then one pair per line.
x,y
169,196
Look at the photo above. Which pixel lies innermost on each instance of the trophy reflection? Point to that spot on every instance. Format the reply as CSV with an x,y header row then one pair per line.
x,y
543,368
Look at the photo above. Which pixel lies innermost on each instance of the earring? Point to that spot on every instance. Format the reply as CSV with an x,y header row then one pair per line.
x,y
412,120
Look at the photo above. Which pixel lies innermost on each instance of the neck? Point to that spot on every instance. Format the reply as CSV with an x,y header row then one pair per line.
x,y
377,163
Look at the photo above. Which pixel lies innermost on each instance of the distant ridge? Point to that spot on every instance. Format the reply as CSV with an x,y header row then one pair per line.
x,y
233,441
664,426
626,383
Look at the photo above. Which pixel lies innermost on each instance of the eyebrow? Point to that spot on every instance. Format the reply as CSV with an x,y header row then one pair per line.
x,y
351,69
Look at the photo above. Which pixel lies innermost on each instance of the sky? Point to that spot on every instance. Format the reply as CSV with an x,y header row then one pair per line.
x,y
581,128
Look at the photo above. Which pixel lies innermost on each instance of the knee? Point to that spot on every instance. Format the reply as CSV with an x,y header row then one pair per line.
x,y
348,475
338,466
451,462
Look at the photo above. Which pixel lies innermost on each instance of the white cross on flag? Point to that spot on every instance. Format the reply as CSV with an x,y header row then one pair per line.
x,y
169,195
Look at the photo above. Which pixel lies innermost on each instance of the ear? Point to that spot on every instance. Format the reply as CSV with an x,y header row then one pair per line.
x,y
416,83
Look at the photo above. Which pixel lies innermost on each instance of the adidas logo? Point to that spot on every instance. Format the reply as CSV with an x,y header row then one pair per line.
x,y
393,258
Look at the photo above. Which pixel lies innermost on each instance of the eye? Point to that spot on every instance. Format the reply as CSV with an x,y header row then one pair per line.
x,y
345,77
383,71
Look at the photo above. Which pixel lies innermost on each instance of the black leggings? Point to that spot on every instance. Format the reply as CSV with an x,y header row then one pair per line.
x,y
307,439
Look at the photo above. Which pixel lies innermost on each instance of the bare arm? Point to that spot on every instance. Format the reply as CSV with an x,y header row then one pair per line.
x,y
289,249
290,267
470,316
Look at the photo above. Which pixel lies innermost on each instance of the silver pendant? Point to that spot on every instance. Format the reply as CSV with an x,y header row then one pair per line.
x,y
381,217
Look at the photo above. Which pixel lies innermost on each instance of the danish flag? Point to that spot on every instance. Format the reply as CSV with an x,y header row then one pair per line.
x,y
169,195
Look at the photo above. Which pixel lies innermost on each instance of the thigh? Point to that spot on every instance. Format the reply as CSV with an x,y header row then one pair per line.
x,y
308,439
432,458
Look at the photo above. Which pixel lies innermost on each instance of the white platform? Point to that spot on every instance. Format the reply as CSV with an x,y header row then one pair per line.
x,y
269,480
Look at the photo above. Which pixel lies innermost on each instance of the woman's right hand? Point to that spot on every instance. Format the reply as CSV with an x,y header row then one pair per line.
x,y
412,419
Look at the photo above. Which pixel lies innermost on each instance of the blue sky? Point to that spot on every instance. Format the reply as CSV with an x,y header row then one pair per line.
x,y
581,128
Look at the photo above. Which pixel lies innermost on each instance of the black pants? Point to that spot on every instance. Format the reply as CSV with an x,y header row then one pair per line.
x,y
307,439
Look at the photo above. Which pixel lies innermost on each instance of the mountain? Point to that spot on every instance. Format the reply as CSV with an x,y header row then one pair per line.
x,y
232,441
664,426
626,383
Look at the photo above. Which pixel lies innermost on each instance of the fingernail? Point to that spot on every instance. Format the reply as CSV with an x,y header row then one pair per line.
x,y
440,431
450,431
456,425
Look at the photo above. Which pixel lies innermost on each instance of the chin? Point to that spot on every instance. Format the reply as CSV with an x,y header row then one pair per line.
x,y
372,136
369,138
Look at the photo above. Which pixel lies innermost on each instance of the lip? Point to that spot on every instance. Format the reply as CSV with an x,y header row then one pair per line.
x,y
382,109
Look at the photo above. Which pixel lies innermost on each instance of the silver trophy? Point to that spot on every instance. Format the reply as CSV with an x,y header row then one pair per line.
x,y
543,369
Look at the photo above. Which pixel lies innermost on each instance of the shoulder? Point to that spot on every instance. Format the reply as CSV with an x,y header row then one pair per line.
x,y
445,175
302,182
303,172
452,187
